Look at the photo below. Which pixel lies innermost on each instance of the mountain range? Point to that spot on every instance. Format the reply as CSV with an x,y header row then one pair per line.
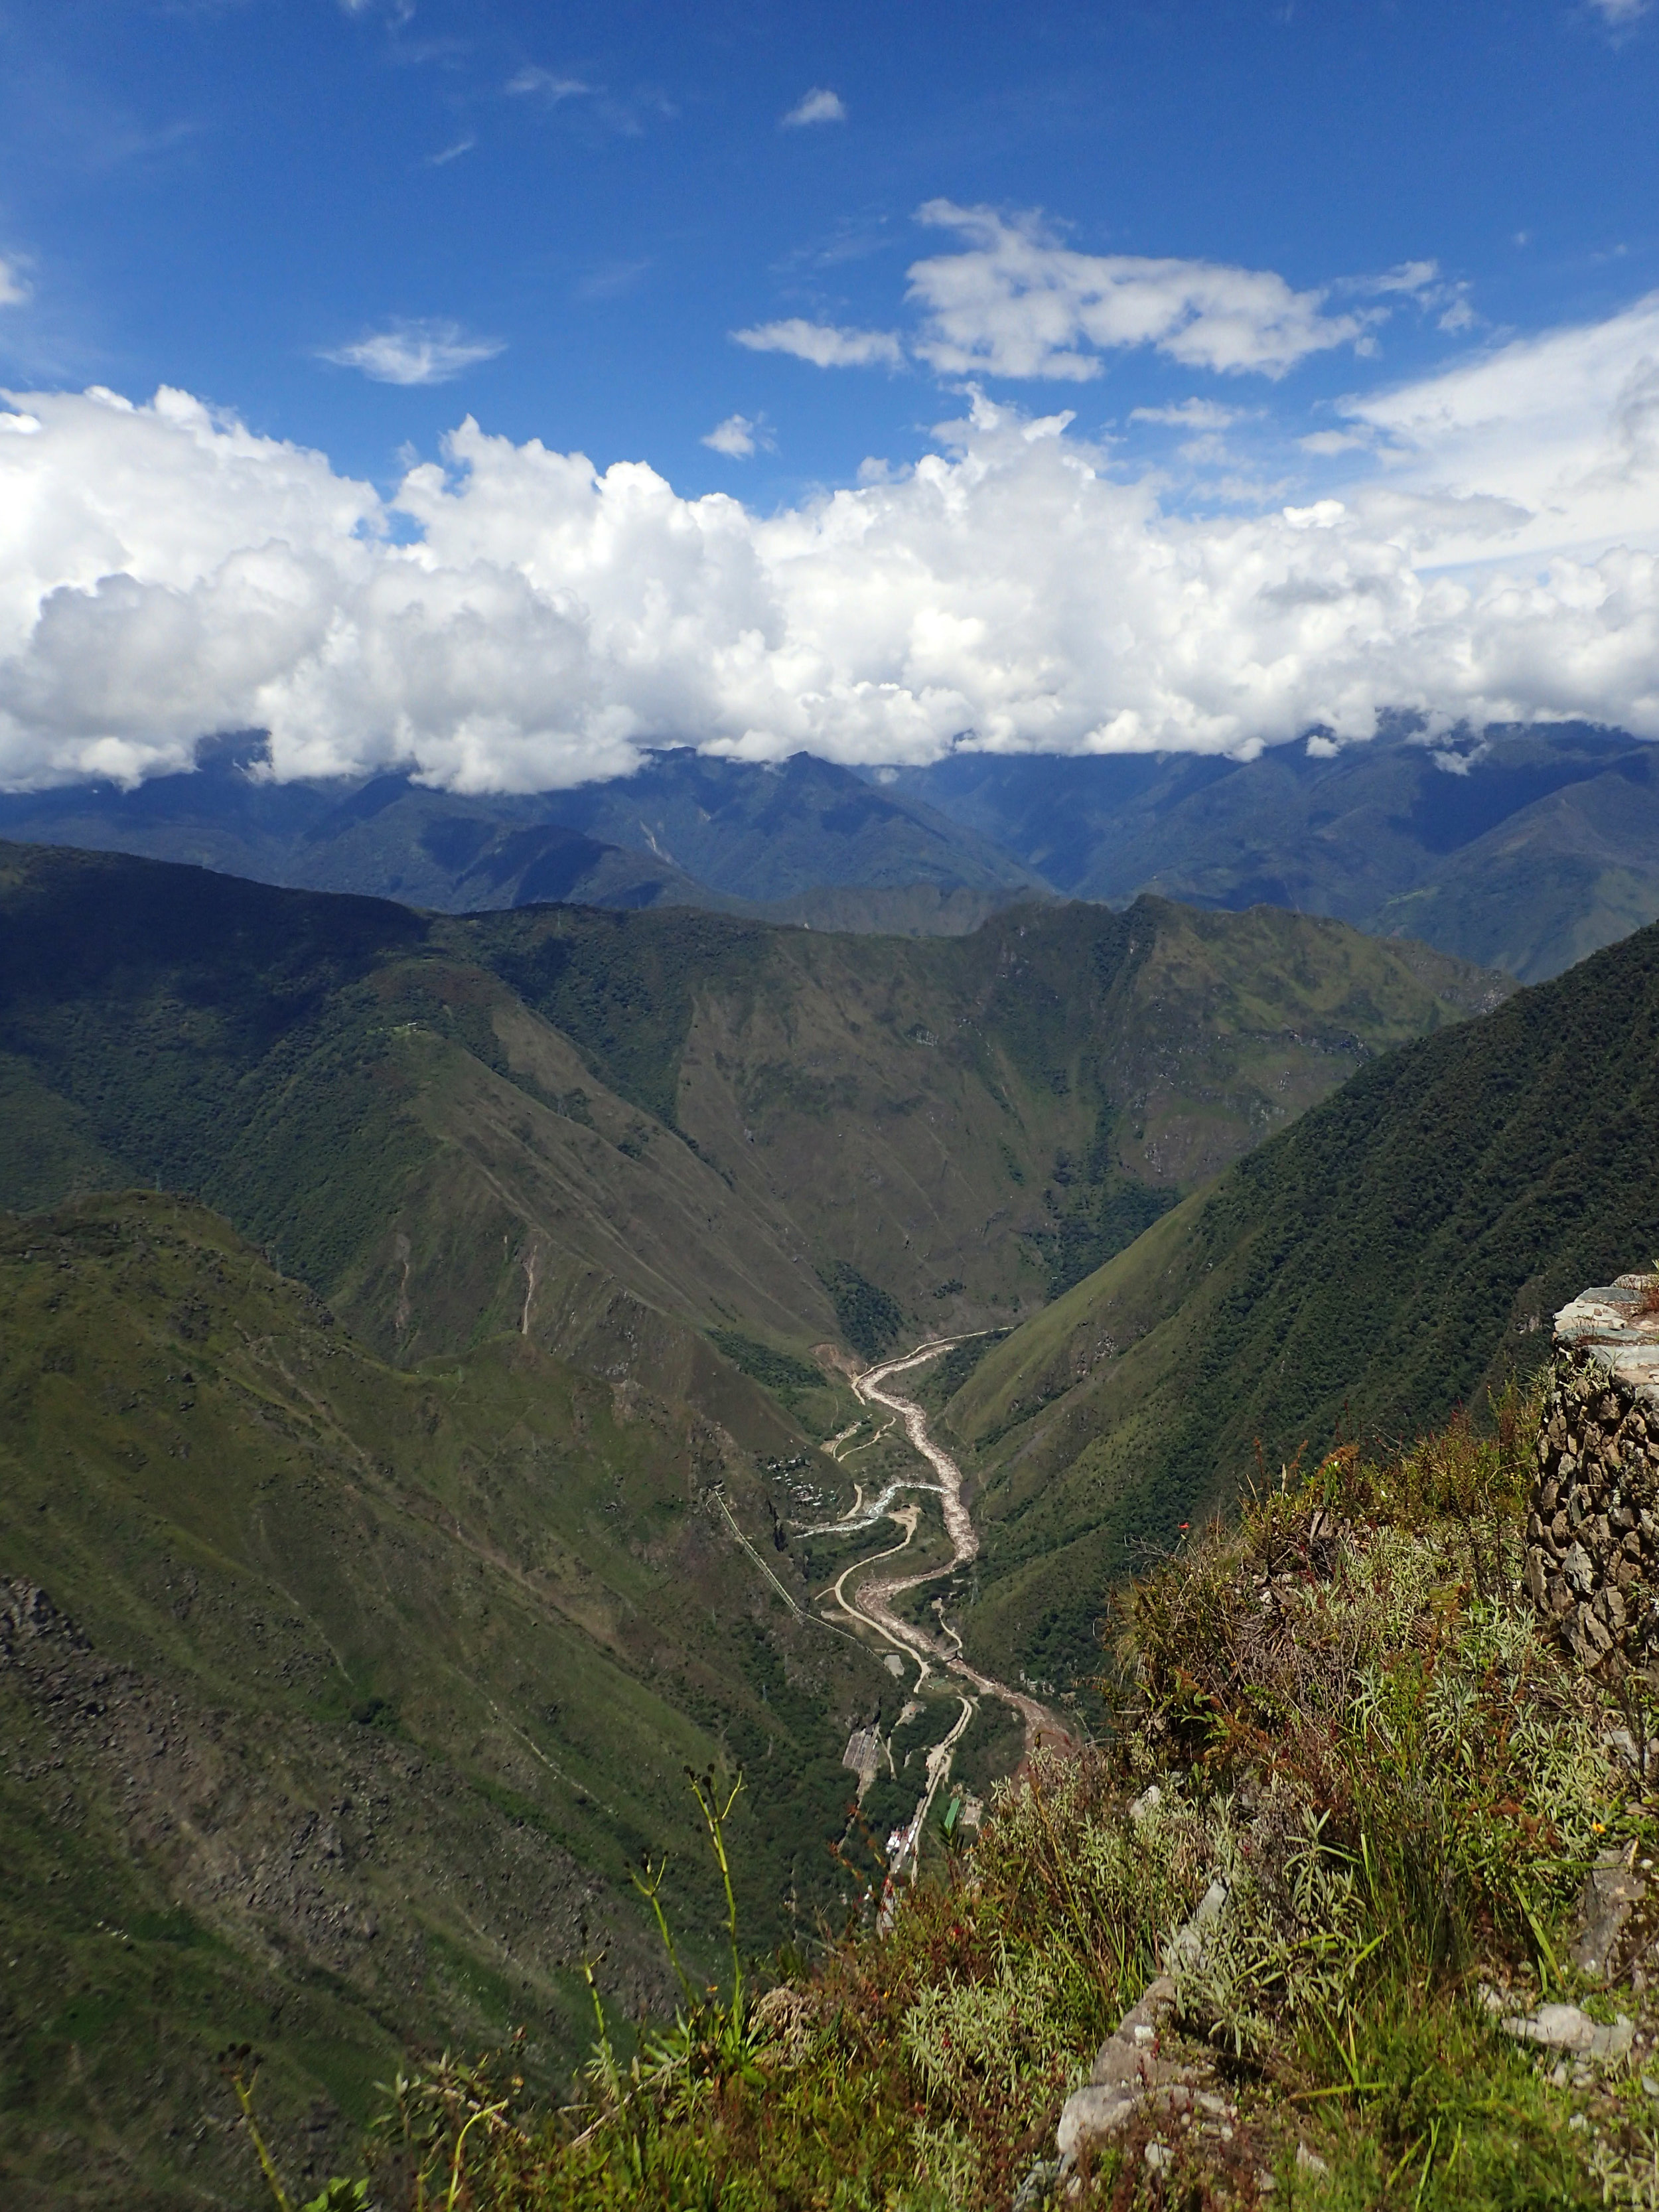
x,y
1521,848
399,1496
426,1356
1525,850
778,841
716,1114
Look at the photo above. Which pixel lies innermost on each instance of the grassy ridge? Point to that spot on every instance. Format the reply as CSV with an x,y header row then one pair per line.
x,y
1382,1261
348,1100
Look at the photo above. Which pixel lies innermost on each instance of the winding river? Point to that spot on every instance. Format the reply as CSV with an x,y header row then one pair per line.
x,y
870,1601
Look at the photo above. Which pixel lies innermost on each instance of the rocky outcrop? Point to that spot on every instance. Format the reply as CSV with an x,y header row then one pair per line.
x,y
1129,2071
1592,1559
1134,2078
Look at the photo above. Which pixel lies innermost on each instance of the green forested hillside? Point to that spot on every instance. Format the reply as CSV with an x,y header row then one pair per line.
x,y
377,1681
1387,1258
445,1125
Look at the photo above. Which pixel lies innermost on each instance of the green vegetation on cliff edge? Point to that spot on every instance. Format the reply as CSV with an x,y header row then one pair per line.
x,y
1336,1720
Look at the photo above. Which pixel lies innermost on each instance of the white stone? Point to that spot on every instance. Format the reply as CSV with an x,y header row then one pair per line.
x,y
1563,2027
1089,2114
1187,1942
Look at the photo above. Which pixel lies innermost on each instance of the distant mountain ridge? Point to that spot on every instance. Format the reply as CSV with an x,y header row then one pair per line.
x,y
778,841
1526,850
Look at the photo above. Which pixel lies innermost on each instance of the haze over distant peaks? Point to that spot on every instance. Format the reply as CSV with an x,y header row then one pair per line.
x,y
685,830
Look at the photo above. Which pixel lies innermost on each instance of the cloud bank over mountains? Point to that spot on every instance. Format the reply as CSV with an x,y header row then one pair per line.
x,y
165,573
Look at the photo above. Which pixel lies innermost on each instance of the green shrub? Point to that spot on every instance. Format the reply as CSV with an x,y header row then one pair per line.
x,y
870,1317
778,1371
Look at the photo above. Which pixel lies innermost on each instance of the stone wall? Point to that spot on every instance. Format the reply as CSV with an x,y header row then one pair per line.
x,y
1592,1564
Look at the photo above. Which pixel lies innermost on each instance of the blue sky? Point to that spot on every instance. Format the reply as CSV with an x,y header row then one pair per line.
x,y
210,195
1242,243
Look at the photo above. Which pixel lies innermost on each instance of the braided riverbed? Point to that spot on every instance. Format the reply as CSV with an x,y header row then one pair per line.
x,y
869,1598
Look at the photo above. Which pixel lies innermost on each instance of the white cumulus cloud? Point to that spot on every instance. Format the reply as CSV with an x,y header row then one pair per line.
x,y
415,353
14,286
1563,427
1015,303
818,105
823,345
737,437
165,573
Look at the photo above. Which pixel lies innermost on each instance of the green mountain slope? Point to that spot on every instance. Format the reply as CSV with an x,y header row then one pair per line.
x,y
1388,1257
326,1071
610,1129
352,1695
974,1124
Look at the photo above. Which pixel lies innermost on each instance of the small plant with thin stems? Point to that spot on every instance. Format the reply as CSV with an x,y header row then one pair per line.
x,y
715,1815
241,2067
713,2034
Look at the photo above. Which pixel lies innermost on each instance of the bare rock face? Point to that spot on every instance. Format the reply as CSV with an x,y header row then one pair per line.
x,y
1614,1895
30,1622
1592,1562
1132,2077
1563,2027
